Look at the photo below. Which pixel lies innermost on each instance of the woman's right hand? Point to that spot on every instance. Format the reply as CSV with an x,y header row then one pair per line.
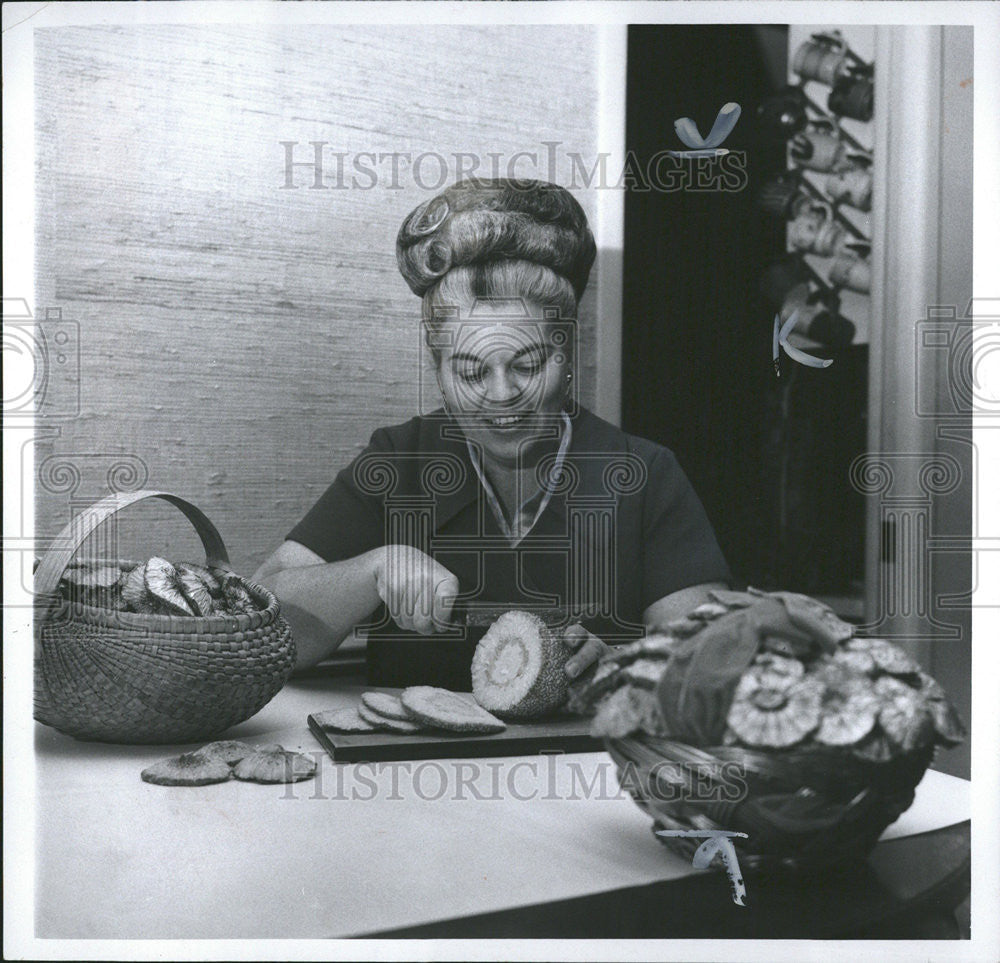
x,y
418,591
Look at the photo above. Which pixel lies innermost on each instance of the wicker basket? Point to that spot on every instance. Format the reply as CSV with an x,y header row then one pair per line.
x,y
803,809
123,677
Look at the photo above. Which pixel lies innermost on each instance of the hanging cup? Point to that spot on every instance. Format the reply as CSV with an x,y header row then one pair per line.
x,y
850,271
819,148
815,231
822,57
853,95
851,186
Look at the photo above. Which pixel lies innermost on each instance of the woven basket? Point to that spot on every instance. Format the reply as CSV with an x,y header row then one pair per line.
x,y
804,809
123,677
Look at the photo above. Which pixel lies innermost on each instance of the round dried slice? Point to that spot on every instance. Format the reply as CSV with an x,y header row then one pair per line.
x,y
708,611
343,720
774,671
583,693
652,647
448,710
775,718
134,592
275,766
650,714
849,714
684,626
947,723
888,657
235,594
623,712
903,714
644,673
609,675
384,722
93,575
386,705
930,688
228,751
206,575
196,592
162,583
858,661
190,769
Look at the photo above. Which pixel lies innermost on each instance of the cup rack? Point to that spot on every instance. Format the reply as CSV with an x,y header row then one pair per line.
x,y
827,219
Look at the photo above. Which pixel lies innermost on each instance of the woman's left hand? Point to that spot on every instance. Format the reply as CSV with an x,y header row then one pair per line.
x,y
589,648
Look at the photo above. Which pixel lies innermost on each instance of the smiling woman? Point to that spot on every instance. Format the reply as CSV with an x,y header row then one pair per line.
x,y
510,494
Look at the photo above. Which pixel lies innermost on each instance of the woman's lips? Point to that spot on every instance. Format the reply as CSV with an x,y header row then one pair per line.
x,y
506,422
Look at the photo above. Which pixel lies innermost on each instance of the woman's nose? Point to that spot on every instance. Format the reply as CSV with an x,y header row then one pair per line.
x,y
502,386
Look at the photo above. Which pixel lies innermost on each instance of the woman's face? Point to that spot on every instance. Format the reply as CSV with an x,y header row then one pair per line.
x,y
503,372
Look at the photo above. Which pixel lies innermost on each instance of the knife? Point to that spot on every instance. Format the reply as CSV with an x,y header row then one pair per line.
x,y
472,613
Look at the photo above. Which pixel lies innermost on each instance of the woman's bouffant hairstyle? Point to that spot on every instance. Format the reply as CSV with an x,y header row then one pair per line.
x,y
498,238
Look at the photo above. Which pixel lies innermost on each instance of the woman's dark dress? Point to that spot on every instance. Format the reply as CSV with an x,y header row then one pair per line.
x,y
622,529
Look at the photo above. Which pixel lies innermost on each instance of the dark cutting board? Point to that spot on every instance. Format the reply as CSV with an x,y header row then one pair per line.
x,y
562,734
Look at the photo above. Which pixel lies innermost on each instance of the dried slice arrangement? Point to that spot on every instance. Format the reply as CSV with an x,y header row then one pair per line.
x,y
769,672
448,710
156,587
830,733
219,761
519,667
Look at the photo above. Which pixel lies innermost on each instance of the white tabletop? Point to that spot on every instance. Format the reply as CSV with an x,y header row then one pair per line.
x,y
362,848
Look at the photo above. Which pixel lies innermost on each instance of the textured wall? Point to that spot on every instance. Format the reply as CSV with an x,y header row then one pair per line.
x,y
239,341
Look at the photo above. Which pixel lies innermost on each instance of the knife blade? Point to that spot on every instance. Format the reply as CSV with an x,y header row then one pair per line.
x,y
479,614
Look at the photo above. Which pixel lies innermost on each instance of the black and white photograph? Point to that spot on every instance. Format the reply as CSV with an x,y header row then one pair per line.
x,y
501,480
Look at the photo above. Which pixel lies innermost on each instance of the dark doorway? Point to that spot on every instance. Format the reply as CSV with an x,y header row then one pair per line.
x,y
768,458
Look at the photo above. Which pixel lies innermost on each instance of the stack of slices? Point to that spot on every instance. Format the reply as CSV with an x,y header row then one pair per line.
x,y
416,709
518,673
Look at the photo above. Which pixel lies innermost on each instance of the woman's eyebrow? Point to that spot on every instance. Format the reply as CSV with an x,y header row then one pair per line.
x,y
538,347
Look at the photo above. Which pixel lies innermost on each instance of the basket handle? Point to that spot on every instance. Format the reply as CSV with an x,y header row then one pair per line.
x,y
69,540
